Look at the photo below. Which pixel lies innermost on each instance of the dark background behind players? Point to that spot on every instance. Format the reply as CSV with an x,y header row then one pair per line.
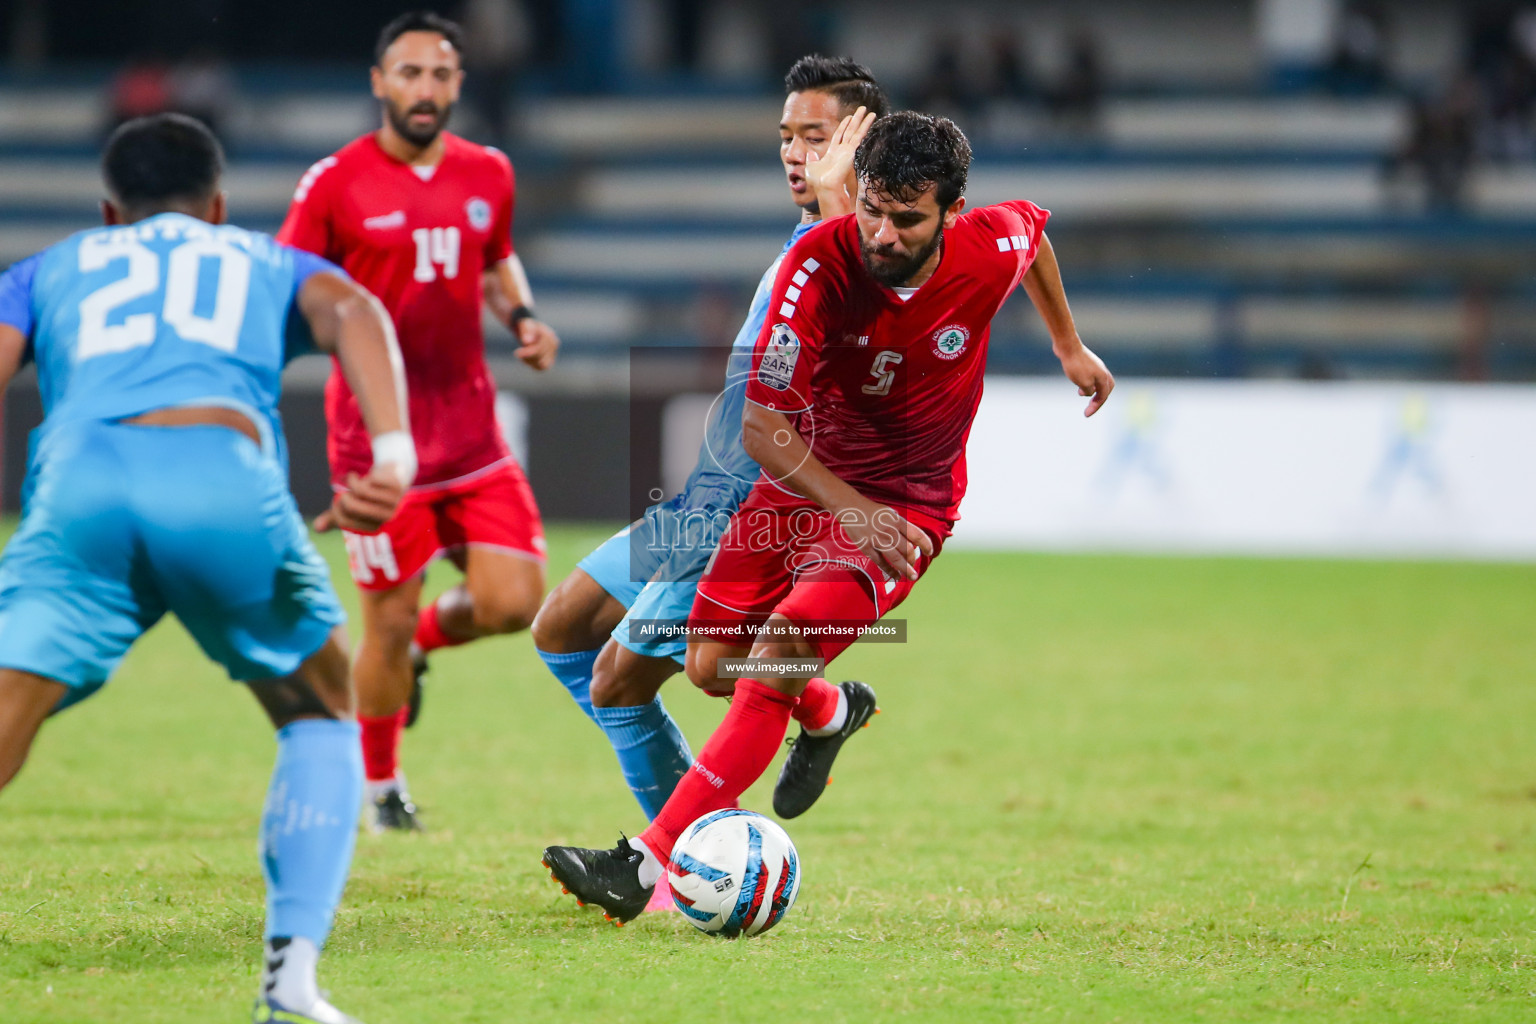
x,y
1336,189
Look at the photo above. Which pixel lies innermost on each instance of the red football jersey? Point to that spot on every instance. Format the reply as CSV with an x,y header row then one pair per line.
x,y
884,390
421,247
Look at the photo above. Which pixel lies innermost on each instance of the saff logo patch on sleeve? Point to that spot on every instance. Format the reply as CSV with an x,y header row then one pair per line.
x,y
777,368
949,342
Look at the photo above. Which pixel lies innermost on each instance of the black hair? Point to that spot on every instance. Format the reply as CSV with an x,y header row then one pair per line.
x,y
418,21
906,152
153,163
851,83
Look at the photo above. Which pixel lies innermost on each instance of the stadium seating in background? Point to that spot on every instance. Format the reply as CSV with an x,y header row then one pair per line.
x,y
1205,235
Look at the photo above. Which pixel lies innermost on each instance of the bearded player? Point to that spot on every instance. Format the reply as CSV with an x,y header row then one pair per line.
x,y
589,631
865,383
419,216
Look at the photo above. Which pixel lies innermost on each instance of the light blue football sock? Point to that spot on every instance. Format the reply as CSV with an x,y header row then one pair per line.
x,y
574,671
651,749
309,825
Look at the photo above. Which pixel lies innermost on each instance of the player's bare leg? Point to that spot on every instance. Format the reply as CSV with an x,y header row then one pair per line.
x,y
785,643
703,657
25,700
623,679
383,675
382,670
318,780
578,615
500,594
319,689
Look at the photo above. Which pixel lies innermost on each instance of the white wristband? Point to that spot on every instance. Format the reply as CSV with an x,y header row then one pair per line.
x,y
396,449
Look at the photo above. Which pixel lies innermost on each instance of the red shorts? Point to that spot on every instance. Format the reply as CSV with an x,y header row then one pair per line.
x,y
493,508
797,562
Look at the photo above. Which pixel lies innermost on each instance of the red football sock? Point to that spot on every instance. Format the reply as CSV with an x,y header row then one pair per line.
x,y
429,632
381,745
817,704
735,756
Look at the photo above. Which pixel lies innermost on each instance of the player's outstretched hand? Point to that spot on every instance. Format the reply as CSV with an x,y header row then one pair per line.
x,y
539,343
1091,376
831,176
367,503
883,534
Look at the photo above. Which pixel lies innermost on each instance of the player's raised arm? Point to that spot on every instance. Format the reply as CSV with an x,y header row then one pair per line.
x,y
1042,282
831,176
510,298
349,322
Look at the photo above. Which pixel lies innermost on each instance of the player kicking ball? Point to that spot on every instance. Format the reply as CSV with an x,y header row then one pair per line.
x,y
589,631
865,382
158,483
423,219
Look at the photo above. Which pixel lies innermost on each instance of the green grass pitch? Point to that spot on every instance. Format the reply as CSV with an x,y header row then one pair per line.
x,y
1106,788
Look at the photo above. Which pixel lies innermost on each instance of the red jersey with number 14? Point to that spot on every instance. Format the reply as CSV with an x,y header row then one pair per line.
x,y
884,390
421,246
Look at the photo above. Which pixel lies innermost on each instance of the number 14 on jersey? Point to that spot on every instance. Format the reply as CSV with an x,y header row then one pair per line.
x,y
436,247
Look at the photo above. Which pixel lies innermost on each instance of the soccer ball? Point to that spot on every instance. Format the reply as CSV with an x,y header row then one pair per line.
x,y
733,873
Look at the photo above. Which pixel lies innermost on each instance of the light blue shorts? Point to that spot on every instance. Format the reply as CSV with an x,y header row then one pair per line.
x,y
655,624
618,564
124,523
652,567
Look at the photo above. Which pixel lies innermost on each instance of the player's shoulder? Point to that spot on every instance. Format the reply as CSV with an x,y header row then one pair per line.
x,y
363,149
819,260
258,245
1003,227
16,285
827,241
1012,213
174,229
355,156
65,253
482,158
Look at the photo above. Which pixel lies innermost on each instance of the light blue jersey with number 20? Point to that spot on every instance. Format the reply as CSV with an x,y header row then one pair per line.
x,y
126,522
168,311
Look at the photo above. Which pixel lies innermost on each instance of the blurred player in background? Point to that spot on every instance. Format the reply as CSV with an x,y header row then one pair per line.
x,y
419,216
158,482
588,631
864,385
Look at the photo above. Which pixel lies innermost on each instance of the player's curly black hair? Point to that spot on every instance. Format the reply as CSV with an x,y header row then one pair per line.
x,y
851,83
418,21
906,152
151,163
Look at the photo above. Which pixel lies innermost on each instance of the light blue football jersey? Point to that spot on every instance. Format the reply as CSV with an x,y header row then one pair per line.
x,y
725,472
168,311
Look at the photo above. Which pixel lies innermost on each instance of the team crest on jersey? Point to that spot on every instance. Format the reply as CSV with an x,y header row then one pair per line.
x,y
949,342
479,213
780,355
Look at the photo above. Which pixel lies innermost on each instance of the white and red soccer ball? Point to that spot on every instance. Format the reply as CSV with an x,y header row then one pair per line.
x,y
734,872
